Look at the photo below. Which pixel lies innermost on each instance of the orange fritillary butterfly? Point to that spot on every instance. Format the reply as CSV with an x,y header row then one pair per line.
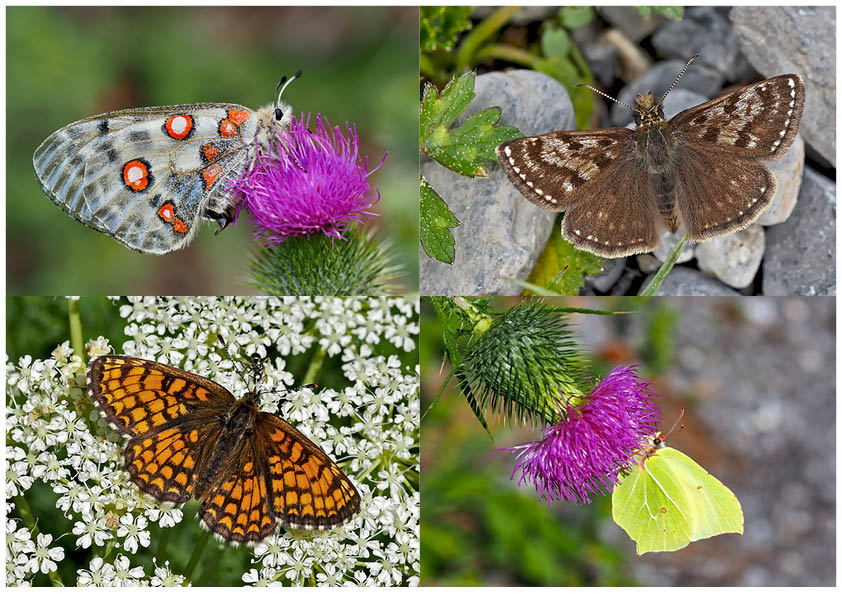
x,y
190,438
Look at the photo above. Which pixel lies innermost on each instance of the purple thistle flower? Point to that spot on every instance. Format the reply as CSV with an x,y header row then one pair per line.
x,y
584,453
308,182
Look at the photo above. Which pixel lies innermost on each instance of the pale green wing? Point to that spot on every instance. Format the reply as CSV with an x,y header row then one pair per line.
x,y
671,501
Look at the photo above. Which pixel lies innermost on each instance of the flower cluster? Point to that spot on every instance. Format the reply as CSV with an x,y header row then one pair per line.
x,y
584,453
308,182
369,426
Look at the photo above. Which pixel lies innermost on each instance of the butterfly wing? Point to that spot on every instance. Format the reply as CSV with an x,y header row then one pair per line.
x,y
759,121
553,169
138,396
717,196
145,176
596,177
307,490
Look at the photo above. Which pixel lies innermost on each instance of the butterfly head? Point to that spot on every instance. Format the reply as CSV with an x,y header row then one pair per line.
x,y
647,113
277,116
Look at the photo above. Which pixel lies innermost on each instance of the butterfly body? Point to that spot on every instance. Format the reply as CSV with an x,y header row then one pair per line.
x,y
148,176
190,438
700,171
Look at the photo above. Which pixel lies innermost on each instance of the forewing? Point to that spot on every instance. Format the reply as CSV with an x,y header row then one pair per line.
x,y
164,463
138,396
553,169
126,174
307,489
758,121
238,508
716,196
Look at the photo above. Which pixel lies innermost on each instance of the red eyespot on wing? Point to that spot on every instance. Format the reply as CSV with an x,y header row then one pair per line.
x,y
210,174
136,174
179,225
238,116
166,212
209,152
179,127
227,128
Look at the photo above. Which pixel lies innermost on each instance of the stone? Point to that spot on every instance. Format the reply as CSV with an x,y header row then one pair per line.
x,y
801,253
502,233
684,281
735,258
612,268
788,170
668,242
802,40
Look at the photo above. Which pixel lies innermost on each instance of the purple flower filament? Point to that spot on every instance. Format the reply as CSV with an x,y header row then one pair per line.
x,y
584,453
308,183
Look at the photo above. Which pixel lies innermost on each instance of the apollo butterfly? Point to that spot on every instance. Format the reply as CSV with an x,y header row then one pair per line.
x,y
147,176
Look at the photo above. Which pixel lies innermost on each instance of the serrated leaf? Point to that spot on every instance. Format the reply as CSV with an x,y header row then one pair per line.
x,y
440,26
574,17
439,111
436,221
466,148
555,42
561,268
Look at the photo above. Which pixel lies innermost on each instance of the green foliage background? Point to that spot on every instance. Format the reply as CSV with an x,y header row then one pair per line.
x,y
64,63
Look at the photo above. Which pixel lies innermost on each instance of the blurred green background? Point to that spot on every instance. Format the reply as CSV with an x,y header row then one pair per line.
x,y
755,375
360,65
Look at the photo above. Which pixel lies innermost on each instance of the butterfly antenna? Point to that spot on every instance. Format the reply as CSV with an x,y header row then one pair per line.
x,y
675,82
606,95
663,437
283,84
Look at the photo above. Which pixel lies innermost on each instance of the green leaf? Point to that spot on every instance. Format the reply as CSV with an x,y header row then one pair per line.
x,y
668,500
466,148
675,13
561,268
574,17
436,221
555,42
441,25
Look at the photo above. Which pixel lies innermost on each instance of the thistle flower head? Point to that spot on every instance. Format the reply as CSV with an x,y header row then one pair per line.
x,y
584,453
307,182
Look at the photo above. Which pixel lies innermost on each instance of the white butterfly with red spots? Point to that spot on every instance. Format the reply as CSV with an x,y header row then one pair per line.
x,y
147,176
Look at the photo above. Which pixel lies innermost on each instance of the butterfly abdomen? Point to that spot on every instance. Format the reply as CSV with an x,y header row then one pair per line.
x,y
657,145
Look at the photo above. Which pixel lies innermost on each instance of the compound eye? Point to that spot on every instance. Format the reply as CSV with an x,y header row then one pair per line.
x,y
660,112
637,119
279,115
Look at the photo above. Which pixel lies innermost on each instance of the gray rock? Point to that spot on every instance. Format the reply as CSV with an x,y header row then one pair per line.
x,y
668,242
733,259
648,263
704,30
601,57
801,253
689,282
797,39
502,233
698,78
630,22
788,170
612,268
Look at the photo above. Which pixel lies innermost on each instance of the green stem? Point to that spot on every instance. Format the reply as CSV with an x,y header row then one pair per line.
x,y
507,53
75,318
482,32
197,553
162,543
314,367
658,279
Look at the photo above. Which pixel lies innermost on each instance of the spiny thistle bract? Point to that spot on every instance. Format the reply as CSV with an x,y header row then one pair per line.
x,y
320,265
523,364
